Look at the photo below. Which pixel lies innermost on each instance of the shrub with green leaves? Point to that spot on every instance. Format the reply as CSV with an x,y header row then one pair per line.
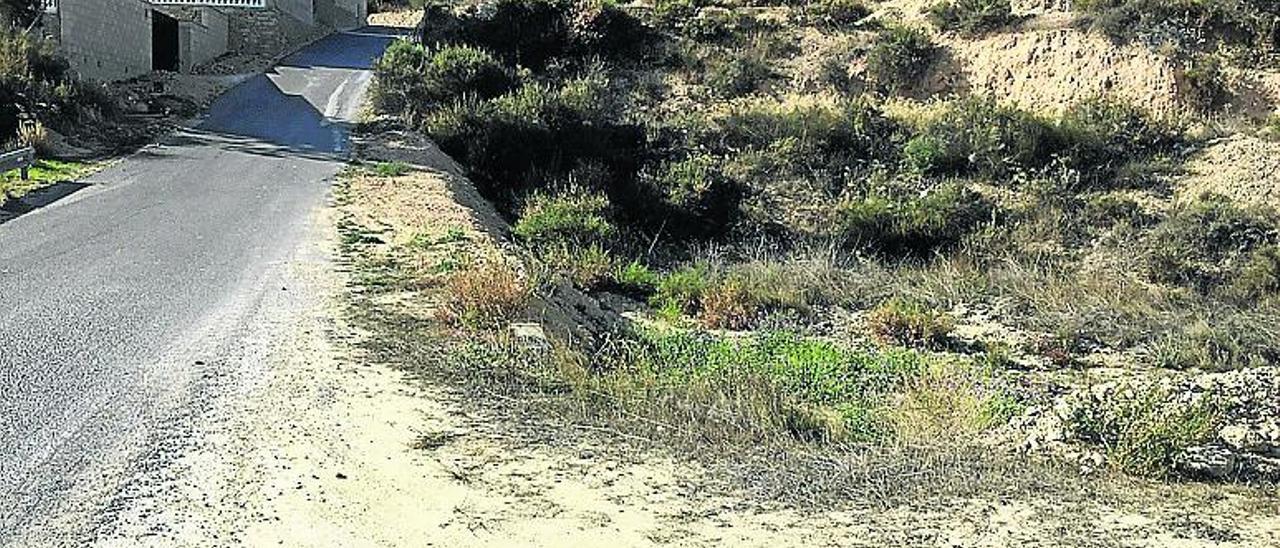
x,y
1185,23
972,17
836,136
979,136
1205,244
735,75
1204,83
537,33
1144,429
574,217
914,225
838,13
899,58
1234,341
680,292
36,81
415,79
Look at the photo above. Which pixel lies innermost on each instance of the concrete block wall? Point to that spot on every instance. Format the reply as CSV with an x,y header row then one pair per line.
x,y
107,39
204,38
265,30
342,14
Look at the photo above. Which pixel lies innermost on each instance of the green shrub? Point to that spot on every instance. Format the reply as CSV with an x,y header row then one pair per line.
x,y
590,266
575,217
1144,429
899,58
538,134
979,136
412,79
972,17
910,323
1205,84
839,13
390,169
1185,23
738,74
36,82
697,187
916,225
600,28
838,136
1271,128
680,292
1204,244
1236,341
535,33
637,279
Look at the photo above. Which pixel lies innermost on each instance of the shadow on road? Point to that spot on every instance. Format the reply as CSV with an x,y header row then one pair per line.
x,y
37,199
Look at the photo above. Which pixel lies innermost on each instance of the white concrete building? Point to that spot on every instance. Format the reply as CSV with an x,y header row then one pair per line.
x,y
117,39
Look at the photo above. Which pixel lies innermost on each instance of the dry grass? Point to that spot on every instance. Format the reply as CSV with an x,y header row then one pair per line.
x,y
489,294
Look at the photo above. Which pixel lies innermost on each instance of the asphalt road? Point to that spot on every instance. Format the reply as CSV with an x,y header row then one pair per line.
x,y
120,303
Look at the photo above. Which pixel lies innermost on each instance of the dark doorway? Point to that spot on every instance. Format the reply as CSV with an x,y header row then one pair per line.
x,y
164,42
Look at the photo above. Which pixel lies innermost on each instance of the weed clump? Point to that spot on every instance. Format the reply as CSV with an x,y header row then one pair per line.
x,y
972,17
899,58
909,323
1144,429
913,224
1209,244
576,217
485,295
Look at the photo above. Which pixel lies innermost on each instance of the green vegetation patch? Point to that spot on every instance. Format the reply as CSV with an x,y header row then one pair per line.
x,y
42,174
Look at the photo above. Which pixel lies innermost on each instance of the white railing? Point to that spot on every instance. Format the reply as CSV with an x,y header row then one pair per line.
x,y
213,3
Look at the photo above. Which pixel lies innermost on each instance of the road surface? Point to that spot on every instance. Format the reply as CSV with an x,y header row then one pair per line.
x,y
124,306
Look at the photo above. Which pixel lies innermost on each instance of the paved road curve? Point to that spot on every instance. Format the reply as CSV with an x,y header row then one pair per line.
x,y
118,302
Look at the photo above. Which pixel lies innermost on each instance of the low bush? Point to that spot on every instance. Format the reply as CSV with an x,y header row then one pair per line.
x,y
1271,128
589,267
913,224
834,137
537,33
636,279
1235,341
1144,429
910,323
575,217
680,292
1185,23
1204,83
1205,245
972,17
738,74
899,58
1102,136
36,84
838,13
1098,139
982,137
412,79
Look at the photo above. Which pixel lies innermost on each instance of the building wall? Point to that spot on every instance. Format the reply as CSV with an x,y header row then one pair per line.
x,y
204,38
301,10
106,39
342,14
265,30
